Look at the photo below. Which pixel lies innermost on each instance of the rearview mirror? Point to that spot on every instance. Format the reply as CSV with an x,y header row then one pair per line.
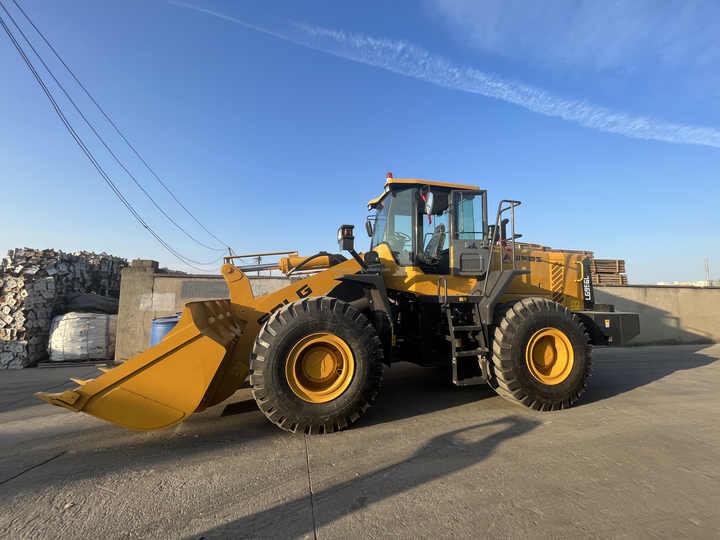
x,y
346,239
369,227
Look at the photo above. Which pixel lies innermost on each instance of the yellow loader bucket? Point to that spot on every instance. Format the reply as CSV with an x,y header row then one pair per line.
x,y
166,383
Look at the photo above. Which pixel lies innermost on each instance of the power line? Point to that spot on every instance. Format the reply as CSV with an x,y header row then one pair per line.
x,y
87,151
117,129
104,143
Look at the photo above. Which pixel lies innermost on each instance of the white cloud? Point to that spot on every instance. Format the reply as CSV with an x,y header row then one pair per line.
x,y
409,60
605,35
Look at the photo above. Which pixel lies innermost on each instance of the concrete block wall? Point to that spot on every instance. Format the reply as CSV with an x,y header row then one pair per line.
x,y
146,293
668,314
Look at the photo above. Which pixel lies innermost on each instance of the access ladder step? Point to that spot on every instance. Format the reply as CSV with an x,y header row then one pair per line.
x,y
472,352
471,381
467,328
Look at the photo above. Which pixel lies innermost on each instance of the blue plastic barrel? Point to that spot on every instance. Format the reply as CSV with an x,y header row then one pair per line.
x,y
161,326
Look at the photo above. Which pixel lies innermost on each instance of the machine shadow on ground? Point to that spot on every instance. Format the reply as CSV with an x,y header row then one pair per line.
x,y
617,371
441,456
408,391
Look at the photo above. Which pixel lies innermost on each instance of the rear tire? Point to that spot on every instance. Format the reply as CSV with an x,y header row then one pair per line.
x,y
316,366
541,355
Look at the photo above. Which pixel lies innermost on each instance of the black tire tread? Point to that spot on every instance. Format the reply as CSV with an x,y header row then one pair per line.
x,y
508,386
271,332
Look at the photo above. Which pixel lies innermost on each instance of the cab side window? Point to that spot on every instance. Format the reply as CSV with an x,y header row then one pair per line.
x,y
469,216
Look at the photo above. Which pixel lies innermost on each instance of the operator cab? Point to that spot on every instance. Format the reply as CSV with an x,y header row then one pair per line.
x,y
438,227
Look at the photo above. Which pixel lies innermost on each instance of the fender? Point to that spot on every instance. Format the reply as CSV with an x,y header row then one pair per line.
x,y
498,283
379,305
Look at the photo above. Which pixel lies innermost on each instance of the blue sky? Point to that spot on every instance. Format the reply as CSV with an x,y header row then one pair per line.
x,y
276,122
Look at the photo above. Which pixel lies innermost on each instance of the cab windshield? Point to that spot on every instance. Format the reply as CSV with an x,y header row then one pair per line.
x,y
394,225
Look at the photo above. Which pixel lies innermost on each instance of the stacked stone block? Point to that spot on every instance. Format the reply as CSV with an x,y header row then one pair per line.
x,y
33,287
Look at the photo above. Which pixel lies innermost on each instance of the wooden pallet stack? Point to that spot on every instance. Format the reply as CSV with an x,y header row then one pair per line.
x,y
608,272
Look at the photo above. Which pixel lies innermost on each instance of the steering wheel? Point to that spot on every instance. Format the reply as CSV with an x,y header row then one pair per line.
x,y
401,239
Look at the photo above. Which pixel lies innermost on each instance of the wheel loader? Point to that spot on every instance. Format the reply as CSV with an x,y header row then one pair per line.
x,y
441,285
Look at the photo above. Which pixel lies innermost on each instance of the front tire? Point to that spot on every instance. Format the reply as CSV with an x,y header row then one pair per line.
x,y
541,355
316,366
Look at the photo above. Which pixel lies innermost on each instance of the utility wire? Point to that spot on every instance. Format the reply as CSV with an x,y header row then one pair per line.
x,y
118,131
104,143
87,151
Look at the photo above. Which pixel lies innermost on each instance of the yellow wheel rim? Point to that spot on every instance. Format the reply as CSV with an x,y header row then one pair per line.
x,y
320,367
549,356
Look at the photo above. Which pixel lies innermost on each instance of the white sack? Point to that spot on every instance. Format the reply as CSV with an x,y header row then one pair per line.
x,y
82,336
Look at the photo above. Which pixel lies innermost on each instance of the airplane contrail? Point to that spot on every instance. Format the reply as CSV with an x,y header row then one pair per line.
x,y
409,60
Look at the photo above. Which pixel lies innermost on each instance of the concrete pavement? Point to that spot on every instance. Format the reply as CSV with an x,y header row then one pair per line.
x,y
639,457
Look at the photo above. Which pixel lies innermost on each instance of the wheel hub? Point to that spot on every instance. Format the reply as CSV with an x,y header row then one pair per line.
x,y
319,367
549,356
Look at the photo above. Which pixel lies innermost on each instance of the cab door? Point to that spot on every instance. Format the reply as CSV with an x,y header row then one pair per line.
x,y
432,253
469,245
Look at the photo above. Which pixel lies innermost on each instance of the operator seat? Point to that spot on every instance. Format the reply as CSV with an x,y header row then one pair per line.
x,y
435,244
